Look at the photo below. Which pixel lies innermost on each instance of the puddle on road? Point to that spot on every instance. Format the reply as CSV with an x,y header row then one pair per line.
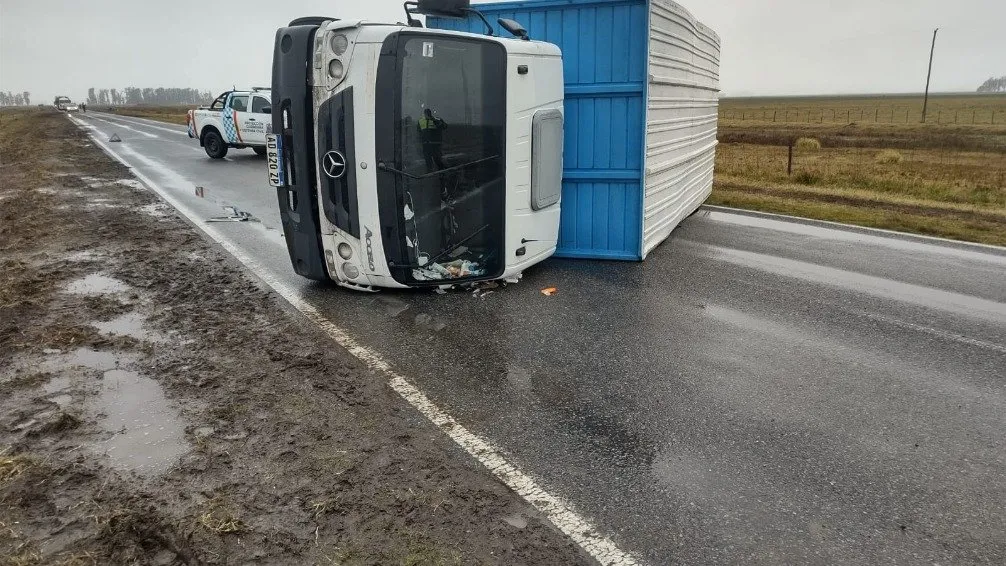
x,y
62,191
132,183
56,385
156,209
144,432
63,400
148,434
82,255
84,357
95,182
96,284
516,520
130,324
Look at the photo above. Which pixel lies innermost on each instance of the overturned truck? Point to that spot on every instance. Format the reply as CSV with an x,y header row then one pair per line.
x,y
409,156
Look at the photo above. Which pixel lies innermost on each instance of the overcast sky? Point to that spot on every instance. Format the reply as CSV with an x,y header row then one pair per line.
x,y
51,47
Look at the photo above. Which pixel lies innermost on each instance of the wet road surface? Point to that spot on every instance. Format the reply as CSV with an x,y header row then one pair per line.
x,y
757,391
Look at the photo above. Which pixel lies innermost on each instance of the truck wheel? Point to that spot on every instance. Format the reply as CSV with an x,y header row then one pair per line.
x,y
259,150
214,145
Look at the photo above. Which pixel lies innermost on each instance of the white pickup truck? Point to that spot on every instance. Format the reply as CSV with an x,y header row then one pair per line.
x,y
237,118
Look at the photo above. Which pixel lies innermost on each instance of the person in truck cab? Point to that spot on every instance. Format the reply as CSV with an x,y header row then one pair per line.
x,y
238,104
431,133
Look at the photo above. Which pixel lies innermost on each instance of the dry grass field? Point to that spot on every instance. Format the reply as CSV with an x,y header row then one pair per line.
x,y
939,179
943,109
174,114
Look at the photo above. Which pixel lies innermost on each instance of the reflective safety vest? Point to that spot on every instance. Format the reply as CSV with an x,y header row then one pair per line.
x,y
428,123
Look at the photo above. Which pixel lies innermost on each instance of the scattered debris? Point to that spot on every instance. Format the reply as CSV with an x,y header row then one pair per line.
x,y
452,270
514,279
200,192
549,291
483,288
235,215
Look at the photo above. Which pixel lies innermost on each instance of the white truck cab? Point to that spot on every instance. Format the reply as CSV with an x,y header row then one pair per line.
x,y
236,119
411,157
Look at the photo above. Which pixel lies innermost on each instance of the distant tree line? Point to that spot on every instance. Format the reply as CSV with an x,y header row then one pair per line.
x,y
10,99
132,96
994,85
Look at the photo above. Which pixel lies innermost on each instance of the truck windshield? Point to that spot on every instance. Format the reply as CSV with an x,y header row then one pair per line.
x,y
449,163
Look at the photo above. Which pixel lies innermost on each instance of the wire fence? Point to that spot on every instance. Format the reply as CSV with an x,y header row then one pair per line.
x,y
879,115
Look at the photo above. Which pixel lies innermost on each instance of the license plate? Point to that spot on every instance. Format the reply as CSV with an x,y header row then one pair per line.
x,y
274,157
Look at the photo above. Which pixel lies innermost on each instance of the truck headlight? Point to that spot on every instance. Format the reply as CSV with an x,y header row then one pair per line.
x,y
335,69
345,251
350,270
339,44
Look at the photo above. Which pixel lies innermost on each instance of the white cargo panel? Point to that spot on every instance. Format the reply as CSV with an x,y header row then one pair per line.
x,y
681,113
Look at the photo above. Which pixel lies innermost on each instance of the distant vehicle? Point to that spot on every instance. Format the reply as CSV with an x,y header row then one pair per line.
x,y
236,119
61,102
71,107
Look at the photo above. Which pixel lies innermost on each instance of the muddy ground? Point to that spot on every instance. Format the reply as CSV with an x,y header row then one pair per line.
x,y
157,406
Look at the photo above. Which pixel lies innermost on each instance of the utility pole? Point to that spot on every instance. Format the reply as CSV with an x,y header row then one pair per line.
x,y
925,101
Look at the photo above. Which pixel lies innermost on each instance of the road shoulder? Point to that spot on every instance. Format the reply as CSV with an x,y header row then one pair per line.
x,y
159,406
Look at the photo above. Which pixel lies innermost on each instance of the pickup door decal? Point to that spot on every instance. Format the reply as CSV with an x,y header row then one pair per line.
x,y
229,120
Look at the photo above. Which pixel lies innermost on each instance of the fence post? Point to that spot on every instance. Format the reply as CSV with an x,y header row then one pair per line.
x,y
939,115
972,117
773,114
789,162
876,113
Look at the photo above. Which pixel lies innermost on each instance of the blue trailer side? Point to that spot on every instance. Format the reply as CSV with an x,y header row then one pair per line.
x,y
641,83
605,84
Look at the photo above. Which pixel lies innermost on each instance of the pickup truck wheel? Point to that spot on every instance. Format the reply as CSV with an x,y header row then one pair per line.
x,y
214,145
259,150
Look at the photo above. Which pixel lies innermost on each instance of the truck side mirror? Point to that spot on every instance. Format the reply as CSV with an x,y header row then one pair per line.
x,y
514,28
266,110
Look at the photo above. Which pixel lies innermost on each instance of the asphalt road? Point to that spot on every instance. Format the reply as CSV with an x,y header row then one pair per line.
x,y
757,391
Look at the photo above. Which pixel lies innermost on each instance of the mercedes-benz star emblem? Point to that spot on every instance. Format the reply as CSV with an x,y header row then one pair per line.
x,y
334,164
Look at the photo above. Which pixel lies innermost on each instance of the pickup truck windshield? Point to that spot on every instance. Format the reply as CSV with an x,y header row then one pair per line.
x,y
449,169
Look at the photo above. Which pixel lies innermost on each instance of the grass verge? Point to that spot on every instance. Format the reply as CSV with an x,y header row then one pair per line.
x,y
865,212
169,114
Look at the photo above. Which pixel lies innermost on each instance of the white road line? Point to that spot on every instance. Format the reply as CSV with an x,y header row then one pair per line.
x,y
577,528
878,236
142,133
143,123
929,297
951,336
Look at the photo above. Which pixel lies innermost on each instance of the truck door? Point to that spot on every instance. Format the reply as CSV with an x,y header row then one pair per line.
x,y
258,117
235,119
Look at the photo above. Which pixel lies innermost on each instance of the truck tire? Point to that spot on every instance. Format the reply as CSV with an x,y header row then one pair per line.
x,y
259,150
214,145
